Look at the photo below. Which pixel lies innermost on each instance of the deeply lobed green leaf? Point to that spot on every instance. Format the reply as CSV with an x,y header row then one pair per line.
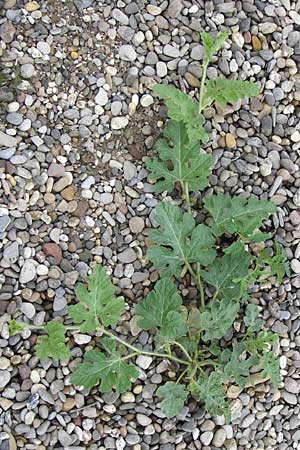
x,y
237,364
212,44
224,91
174,396
211,391
226,273
161,309
179,240
111,371
219,317
183,109
251,319
238,214
188,165
270,365
15,327
97,302
53,344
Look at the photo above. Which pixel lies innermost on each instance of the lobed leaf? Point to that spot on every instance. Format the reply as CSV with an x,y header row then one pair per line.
x,y
224,91
174,396
238,214
110,371
188,164
251,319
212,44
160,309
226,273
236,365
211,391
15,327
183,109
53,345
96,302
270,365
179,240
219,317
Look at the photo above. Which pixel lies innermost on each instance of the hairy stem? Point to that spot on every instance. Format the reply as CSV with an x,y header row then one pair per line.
x,y
202,298
142,352
187,197
183,350
202,85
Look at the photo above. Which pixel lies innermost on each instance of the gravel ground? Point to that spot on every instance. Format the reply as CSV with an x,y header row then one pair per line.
x,y
77,119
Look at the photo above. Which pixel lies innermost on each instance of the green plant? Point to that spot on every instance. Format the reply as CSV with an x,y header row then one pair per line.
x,y
189,337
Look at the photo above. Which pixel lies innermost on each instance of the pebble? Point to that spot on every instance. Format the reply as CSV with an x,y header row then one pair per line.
x,y
101,97
127,256
230,140
127,53
219,438
4,378
136,224
27,70
206,437
119,122
7,141
28,272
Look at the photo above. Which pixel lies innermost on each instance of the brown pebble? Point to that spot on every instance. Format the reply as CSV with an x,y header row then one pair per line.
x,y
49,198
279,199
230,140
192,80
285,174
51,249
68,193
256,44
69,404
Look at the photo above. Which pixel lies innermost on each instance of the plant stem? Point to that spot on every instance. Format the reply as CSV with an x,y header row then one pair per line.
x,y
183,350
202,299
142,352
201,92
187,197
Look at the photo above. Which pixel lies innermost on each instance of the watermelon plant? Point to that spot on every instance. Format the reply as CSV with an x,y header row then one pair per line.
x,y
222,270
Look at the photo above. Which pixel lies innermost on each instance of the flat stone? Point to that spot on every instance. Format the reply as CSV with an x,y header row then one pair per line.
x,y
295,265
28,309
206,437
61,184
144,361
4,222
174,9
32,6
52,249
28,272
143,420
129,170
14,118
7,153
289,398
291,385
27,70
161,69
11,252
106,198
102,97
119,122
219,438
7,32
127,256
197,52
4,378
171,51
56,170
146,100
136,224
7,141
119,16
65,438
127,53
230,140
44,47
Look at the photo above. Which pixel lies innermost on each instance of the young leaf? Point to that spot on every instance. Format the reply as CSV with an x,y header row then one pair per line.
x,y
212,392
160,309
183,109
53,344
237,214
212,44
225,91
226,273
251,319
217,320
236,366
174,396
261,342
270,365
111,371
188,164
15,327
172,249
96,302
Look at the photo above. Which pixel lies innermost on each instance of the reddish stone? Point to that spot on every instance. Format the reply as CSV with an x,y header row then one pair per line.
x,y
51,249
56,170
